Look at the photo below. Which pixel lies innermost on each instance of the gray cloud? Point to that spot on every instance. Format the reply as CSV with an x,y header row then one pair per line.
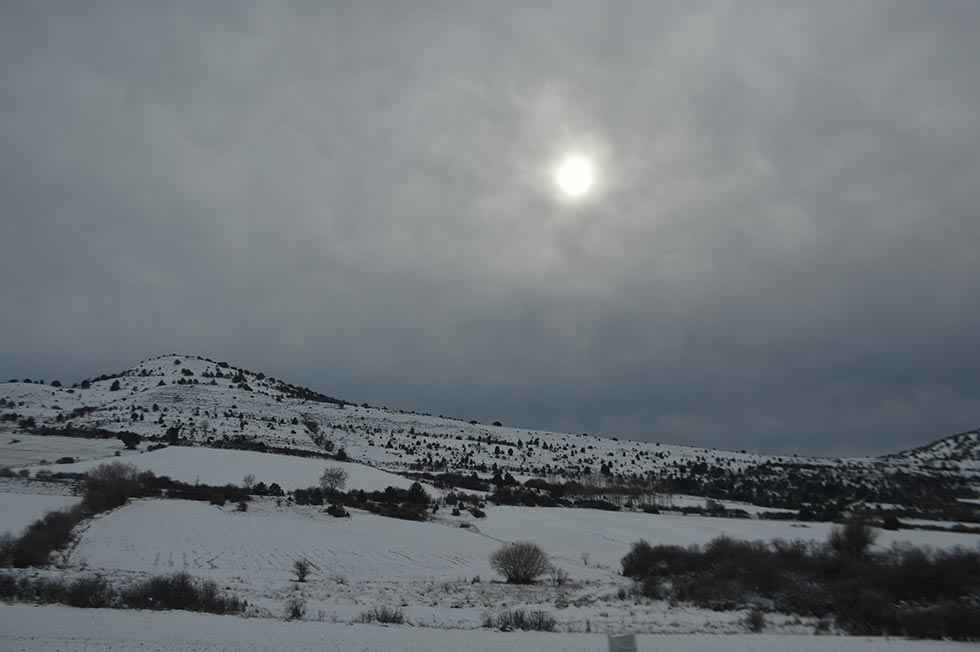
x,y
782,253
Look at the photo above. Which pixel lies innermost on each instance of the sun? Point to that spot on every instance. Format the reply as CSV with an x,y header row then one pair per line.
x,y
575,176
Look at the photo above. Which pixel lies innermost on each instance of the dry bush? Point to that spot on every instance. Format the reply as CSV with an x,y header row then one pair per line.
x,y
853,538
755,621
108,486
334,478
383,614
295,608
301,569
534,621
521,562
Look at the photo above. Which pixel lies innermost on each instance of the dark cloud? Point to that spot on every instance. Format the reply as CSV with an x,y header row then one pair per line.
x,y
782,253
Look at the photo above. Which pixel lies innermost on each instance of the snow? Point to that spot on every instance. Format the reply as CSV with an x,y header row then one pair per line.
x,y
259,546
26,450
50,629
225,466
20,510
427,568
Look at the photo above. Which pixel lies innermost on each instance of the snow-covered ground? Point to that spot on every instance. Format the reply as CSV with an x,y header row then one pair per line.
x,y
51,629
219,466
258,547
20,510
427,568
27,450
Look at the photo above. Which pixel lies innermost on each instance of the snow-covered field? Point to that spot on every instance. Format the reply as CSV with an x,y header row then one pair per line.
x,y
19,510
258,547
218,466
427,568
27,450
51,629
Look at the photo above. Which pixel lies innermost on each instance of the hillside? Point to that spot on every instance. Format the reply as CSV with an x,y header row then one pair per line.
x,y
961,450
193,400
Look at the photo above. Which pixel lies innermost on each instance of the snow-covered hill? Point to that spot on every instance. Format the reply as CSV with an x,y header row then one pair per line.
x,y
195,400
961,450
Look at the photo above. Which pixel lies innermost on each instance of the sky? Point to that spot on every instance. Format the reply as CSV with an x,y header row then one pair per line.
x,y
781,251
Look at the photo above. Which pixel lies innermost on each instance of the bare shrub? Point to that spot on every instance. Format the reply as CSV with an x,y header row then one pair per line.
x,y
536,621
559,576
334,478
902,591
755,621
853,538
301,569
181,591
956,620
89,592
520,563
295,608
44,536
174,592
108,486
383,614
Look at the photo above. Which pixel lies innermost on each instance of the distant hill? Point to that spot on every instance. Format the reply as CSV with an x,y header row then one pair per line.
x,y
194,400
961,450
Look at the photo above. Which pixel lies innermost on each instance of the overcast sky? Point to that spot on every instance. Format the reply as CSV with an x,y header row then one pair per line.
x,y
781,252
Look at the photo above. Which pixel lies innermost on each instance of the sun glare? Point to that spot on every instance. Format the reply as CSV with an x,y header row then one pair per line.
x,y
575,176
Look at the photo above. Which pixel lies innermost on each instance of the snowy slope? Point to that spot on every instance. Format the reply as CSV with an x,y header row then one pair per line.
x,y
961,450
219,467
201,401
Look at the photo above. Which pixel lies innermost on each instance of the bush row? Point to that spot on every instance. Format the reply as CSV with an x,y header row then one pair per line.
x,y
904,591
179,591
410,504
